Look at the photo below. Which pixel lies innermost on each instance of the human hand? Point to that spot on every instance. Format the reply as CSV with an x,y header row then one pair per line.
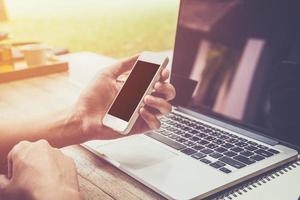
x,y
38,171
97,97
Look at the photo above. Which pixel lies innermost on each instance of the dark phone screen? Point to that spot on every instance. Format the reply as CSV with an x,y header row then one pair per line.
x,y
133,90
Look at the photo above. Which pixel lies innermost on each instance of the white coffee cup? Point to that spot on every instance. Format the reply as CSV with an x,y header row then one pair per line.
x,y
36,54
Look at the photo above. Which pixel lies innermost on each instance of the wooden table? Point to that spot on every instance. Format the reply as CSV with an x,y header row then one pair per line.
x,y
39,96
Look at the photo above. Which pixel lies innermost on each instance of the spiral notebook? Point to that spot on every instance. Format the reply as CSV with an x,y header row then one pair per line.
x,y
281,184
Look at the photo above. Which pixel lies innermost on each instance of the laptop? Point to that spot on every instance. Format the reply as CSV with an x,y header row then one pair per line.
x,y
229,121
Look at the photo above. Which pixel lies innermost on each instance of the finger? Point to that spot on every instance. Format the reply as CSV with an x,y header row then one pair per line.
x,y
150,119
10,158
123,66
166,90
153,111
18,148
43,143
14,154
4,181
9,168
158,103
165,73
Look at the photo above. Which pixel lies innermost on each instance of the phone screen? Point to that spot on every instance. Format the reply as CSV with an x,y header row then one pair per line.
x,y
133,90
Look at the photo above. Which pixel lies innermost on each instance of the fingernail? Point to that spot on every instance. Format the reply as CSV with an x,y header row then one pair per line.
x,y
148,98
141,110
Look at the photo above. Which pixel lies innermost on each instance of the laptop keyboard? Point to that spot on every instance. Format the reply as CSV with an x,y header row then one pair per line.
x,y
214,147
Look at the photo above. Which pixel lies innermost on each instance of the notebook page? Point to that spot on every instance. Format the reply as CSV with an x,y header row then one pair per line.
x,y
281,185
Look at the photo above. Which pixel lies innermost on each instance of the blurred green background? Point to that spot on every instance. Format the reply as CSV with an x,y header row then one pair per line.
x,y
115,28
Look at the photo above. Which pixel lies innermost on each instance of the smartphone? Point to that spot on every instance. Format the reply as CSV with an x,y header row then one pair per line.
x,y
124,110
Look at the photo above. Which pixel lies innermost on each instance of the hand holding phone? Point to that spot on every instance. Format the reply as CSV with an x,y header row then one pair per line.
x,y
124,110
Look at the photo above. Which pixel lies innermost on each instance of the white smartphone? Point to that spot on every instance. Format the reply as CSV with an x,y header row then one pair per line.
x,y
124,110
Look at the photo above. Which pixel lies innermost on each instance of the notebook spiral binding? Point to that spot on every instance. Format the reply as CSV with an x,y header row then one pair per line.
x,y
235,193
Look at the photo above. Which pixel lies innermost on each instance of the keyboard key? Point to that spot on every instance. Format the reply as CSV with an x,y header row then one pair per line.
x,y
163,132
232,162
230,134
172,129
232,140
207,151
274,151
246,153
198,155
257,157
164,125
236,149
234,136
219,142
223,137
201,135
243,139
243,159
173,136
165,119
202,142
262,147
208,130
230,154
165,140
241,144
225,170
211,146
181,140
179,132
251,148
209,138
204,160
227,146
214,134
215,155
200,127
188,151
252,143
180,126
187,135
263,153
220,149
189,143
198,147
217,164
186,128
194,132
195,139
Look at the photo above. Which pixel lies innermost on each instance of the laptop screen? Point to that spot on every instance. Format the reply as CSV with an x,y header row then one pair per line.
x,y
228,64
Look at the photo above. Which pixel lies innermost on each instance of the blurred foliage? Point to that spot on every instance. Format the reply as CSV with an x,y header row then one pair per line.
x,y
115,28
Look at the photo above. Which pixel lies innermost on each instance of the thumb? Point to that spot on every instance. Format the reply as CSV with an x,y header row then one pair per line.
x,y
123,66
4,181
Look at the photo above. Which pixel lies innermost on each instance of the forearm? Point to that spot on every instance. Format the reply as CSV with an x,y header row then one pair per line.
x,y
59,129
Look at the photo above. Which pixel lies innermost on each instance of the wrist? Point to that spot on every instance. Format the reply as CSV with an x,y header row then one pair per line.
x,y
91,126
73,127
65,129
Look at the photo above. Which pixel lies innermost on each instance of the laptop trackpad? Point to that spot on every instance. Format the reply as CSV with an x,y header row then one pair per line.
x,y
136,152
